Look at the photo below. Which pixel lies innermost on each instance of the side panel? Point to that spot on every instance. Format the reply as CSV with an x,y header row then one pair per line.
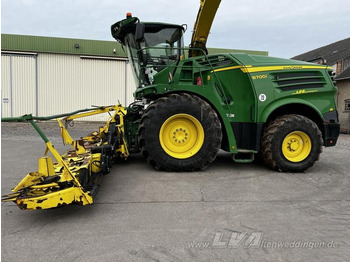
x,y
276,79
241,99
240,95
318,95
247,135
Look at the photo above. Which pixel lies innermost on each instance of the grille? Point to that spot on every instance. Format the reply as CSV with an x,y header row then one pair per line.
x,y
298,80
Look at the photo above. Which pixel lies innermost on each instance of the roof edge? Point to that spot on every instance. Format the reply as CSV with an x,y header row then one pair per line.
x,y
85,47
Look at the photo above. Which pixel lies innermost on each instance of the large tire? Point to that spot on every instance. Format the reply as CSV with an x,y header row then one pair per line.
x,y
180,132
291,143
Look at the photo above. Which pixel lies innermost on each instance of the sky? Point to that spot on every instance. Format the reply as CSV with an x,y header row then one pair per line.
x,y
283,28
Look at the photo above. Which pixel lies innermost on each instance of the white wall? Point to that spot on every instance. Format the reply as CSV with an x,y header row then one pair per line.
x,y
5,86
343,94
49,84
18,85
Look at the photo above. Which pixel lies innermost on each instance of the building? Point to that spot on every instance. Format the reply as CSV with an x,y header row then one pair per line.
x,y
48,75
336,55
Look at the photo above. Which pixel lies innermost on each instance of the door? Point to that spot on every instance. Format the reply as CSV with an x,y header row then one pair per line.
x,y
18,85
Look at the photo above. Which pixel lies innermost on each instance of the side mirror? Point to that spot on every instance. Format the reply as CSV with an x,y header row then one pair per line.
x,y
140,32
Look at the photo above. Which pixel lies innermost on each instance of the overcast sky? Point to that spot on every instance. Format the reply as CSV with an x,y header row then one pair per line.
x,y
283,28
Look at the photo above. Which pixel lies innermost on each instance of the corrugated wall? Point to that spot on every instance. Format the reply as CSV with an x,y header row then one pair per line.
x,y
68,83
18,85
5,85
23,85
63,83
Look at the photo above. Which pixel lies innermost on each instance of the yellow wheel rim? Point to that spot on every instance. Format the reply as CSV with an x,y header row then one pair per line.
x,y
181,136
296,146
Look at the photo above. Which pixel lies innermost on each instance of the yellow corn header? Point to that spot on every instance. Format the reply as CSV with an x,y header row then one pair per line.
x,y
75,175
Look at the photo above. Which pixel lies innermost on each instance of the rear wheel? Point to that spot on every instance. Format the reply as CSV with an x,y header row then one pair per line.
x,y
180,132
291,143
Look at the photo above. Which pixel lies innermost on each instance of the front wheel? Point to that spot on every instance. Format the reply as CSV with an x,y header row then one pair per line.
x,y
180,132
291,143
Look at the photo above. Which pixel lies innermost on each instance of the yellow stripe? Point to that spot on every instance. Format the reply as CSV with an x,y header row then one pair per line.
x,y
230,68
284,67
251,69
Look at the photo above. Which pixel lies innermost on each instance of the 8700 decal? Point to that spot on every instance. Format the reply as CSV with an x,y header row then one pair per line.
x,y
259,77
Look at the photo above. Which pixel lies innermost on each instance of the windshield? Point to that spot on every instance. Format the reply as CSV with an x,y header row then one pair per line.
x,y
162,46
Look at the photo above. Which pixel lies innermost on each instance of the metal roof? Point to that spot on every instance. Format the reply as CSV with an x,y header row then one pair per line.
x,y
343,75
332,53
43,44
57,45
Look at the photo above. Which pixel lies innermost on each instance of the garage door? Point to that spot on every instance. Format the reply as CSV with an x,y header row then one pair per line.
x,y
18,85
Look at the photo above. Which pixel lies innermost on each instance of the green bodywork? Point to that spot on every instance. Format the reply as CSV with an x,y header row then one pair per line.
x,y
245,90
235,94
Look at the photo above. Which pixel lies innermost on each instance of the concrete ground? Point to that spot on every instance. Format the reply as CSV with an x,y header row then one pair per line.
x,y
229,212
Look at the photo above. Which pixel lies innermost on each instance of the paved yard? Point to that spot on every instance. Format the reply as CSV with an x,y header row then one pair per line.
x,y
229,212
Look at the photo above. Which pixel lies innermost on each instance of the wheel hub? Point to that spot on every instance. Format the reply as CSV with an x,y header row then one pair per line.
x,y
296,146
181,136
293,145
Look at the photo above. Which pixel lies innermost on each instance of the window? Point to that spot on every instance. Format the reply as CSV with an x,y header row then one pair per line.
x,y
347,105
